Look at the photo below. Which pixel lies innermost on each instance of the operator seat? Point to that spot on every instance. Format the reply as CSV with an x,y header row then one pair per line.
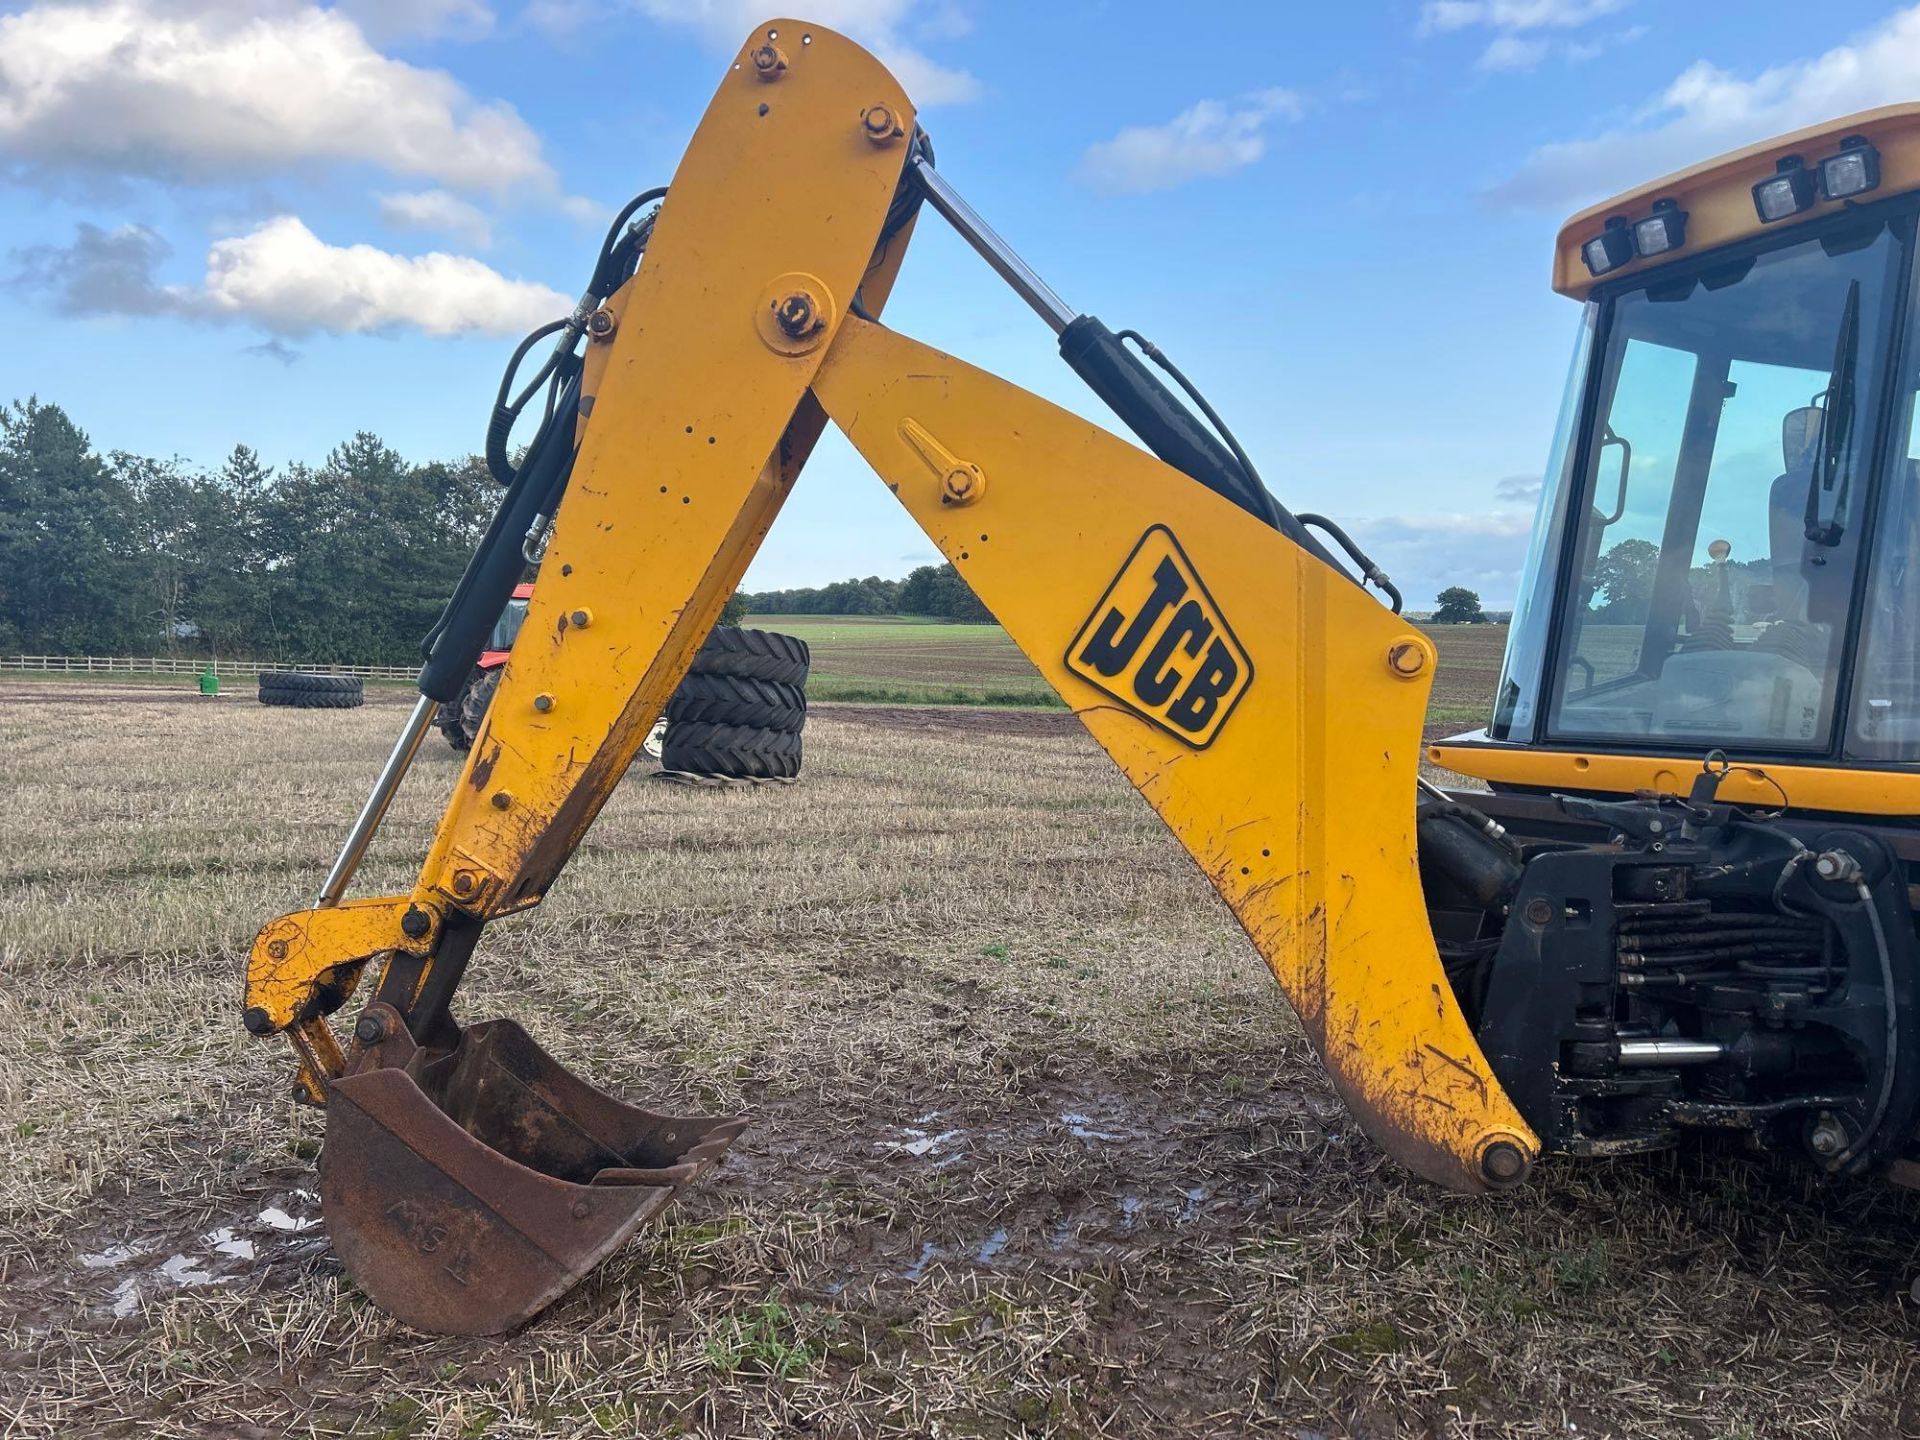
x,y
1787,512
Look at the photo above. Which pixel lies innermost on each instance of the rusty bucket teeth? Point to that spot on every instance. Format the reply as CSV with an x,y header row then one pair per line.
x,y
469,1189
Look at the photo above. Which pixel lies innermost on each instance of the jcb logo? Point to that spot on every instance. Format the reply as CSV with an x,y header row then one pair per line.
x,y
1158,644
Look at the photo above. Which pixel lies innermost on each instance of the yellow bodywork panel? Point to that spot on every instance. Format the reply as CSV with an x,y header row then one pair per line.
x,y
1771,785
1267,708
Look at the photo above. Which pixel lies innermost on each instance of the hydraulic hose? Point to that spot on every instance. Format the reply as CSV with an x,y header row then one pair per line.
x,y
497,565
1885,1096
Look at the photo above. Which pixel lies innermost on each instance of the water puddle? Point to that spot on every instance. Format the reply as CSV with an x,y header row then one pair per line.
x,y
274,1218
110,1258
991,1247
922,1143
1081,1127
220,1256
919,1267
224,1242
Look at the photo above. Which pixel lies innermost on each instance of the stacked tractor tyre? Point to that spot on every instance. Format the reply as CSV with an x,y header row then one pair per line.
x,y
737,714
294,690
740,710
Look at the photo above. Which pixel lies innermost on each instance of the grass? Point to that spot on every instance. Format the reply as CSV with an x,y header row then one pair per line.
x,y
918,661
1142,1210
907,660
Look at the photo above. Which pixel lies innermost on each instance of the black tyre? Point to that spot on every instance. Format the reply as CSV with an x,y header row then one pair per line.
x,y
475,699
294,680
452,716
312,699
753,655
739,751
737,700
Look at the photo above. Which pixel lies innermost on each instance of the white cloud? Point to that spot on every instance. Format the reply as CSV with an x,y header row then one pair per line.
x,y
1707,110
1426,553
283,278
585,210
888,28
1441,16
928,84
1522,29
1213,137
1512,52
1579,52
440,212
154,89
402,19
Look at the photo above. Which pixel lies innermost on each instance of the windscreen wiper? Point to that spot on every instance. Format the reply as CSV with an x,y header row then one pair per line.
x,y
1826,518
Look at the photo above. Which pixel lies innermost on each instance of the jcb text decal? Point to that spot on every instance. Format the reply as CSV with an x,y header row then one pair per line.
x,y
1159,645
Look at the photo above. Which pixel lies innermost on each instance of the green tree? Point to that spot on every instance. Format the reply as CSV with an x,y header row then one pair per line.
x,y
1457,605
363,551
70,578
233,607
1623,580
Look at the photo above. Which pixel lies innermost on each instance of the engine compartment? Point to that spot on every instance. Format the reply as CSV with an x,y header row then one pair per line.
x,y
1636,968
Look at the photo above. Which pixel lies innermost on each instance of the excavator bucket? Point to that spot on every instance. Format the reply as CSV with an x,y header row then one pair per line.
x,y
467,1189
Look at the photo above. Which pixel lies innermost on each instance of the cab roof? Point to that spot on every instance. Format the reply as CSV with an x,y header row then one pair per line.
x,y
1718,194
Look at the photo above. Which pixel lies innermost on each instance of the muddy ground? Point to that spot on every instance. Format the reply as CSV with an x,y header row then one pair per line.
x,y
1035,1148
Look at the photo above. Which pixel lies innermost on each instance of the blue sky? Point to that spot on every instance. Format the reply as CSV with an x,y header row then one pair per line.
x,y
277,223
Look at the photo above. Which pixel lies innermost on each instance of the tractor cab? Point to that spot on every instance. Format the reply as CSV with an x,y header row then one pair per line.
x,y
1726,556
507,628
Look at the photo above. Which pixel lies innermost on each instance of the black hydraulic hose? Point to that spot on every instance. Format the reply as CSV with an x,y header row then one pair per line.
x,y
1168,428
618,258
458,637
1264,505
505,412
606,276
1374,574
1885,1094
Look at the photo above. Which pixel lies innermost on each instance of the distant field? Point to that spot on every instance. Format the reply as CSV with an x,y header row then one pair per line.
x,y
1470,658
896,660
909,661
933,662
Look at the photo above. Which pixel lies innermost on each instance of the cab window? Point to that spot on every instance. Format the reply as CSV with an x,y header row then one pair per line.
x,y
1725,497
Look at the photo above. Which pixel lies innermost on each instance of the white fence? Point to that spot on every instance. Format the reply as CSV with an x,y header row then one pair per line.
x,y
173,665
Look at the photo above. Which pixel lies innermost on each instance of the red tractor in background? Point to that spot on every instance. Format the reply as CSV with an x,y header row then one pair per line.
x,y
460,721
738,713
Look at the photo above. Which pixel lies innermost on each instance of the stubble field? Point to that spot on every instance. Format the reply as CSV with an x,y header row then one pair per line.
x,y
1036,1147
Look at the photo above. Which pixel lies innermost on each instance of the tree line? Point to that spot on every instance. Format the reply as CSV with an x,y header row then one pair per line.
x,y
344,562
935,590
